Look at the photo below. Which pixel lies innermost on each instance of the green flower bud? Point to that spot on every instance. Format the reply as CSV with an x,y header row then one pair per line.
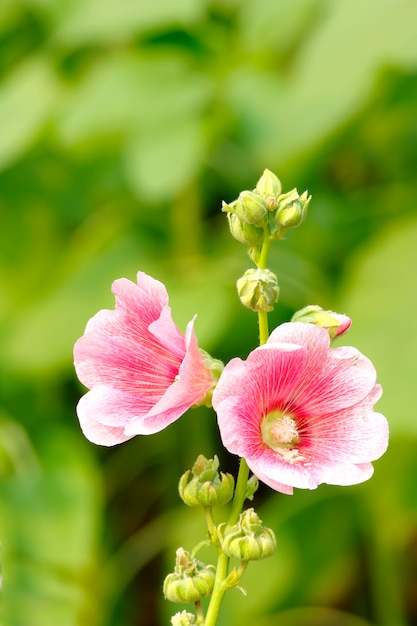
x,y
247,540
251,208
204,485
246,233
291,209
183,619
191,580
269,188
335,323
258,289
215,366
251,487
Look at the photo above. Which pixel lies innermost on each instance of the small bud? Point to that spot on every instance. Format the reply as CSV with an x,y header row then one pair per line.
x,y
291,209
335,323
258,289
191,580
251,487
269,188
247,540
183,619
246,233
215,366
204,485
251,208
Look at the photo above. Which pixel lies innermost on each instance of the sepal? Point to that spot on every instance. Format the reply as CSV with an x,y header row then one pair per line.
x,y
191,580
204,485
248,540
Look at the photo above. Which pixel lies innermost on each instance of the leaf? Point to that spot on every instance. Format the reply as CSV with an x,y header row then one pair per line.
x,y
330,78
26,99
126,93
159,165
49,524
381,298
95,21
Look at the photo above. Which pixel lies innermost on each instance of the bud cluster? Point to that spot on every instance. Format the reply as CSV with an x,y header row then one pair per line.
x,y
265,211
204,485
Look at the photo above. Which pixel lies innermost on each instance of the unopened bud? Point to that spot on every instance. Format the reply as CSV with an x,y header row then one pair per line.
x,y
258,289
183,619
335,323
251,208
215,367
191,580
246,233
291,209
269,188
247,540
204,485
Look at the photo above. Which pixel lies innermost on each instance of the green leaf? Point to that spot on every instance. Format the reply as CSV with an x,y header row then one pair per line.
x,y
105,20
381,299
332,75
127,92
159,165
26,98
49,527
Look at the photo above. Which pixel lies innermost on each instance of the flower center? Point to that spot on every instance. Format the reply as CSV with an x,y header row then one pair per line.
x,y
279,431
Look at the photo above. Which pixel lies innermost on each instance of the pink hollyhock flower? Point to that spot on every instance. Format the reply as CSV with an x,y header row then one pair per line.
x,y
143,373
301,412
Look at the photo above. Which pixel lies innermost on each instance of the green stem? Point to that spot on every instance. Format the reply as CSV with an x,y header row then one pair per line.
x,y
211,526
218,590
199,613
222,568
240,492
263,258
263,327
239,497
262,263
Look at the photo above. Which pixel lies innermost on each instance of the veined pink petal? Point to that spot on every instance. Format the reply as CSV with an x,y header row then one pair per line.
x,y
301,412
192,383
141,371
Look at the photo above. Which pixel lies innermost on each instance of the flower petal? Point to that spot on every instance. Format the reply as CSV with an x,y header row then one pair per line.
x,y
193,382
95,409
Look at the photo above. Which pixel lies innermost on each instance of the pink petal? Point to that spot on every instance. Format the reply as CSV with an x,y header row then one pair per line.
x,y
265,379
193,382
141,367
347,437
247,391
93,406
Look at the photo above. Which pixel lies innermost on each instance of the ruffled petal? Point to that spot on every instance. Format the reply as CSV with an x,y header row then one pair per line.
x,y
194,380
94,410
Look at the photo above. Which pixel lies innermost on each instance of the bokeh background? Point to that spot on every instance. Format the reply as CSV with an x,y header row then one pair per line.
x,y
123,125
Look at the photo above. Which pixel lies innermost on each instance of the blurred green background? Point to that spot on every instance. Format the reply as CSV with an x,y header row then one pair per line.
x,y
123,125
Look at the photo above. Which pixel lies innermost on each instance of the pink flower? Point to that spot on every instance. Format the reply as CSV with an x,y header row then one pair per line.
x,y
301,412
143,373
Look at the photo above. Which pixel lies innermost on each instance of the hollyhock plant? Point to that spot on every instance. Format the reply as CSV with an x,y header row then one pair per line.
x,y
301,412
298,412
142,372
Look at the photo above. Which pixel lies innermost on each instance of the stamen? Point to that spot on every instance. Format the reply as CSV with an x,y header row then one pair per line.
x,y
285,430
279,432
